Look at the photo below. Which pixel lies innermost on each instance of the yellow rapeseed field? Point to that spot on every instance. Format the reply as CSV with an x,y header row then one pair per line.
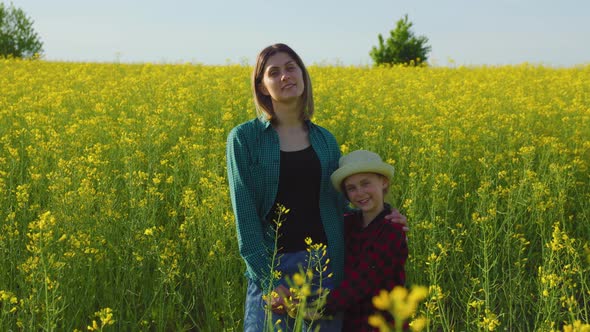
x,y
115,213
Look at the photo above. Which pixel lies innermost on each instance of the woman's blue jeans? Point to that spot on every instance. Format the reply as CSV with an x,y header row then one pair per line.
x,y
254,318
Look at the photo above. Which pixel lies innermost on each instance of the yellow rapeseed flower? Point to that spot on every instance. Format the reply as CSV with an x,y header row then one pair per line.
x,y
298,279
378,321
94,326
418,294
382,301
306,290
418,324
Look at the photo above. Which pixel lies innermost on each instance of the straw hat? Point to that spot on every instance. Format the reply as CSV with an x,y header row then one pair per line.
x,y
360,161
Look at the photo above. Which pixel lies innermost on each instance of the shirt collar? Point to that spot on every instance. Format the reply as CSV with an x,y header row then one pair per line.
x,y
376,220
266,123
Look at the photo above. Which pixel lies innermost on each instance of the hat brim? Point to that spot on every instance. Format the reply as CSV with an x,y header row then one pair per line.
x,y
360,167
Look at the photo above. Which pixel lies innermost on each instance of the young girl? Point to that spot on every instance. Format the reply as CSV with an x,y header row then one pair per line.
x,y
376,249
282,157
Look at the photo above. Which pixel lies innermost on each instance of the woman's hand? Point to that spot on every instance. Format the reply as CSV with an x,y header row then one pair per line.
x,y
398,218
277,300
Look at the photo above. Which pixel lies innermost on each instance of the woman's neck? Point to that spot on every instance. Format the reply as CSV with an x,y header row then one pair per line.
x,y
288,114
288,121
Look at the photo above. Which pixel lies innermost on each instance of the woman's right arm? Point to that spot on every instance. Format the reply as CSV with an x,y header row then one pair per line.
x,y
248,223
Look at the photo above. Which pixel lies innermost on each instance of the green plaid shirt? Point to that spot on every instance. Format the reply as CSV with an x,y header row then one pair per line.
x,y
253,161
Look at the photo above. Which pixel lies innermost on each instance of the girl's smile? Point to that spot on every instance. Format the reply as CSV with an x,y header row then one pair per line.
x,y
366,191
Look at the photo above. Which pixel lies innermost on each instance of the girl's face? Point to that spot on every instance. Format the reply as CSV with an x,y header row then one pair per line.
x,y
366,191
283,79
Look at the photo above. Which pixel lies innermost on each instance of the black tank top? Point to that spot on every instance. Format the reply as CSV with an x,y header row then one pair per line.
x,y
299,190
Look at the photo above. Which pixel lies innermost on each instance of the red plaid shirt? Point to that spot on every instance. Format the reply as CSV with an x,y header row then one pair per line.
x,y
375,258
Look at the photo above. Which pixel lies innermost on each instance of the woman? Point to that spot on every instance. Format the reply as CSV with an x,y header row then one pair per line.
x,y
281,157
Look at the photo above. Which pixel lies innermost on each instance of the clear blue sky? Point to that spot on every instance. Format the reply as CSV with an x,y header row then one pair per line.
x,y
470,32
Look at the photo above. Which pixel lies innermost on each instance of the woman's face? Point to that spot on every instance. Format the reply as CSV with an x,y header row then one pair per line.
x,y
283,79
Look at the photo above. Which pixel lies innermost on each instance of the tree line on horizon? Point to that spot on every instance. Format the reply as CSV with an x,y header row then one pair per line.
x,y
18,39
